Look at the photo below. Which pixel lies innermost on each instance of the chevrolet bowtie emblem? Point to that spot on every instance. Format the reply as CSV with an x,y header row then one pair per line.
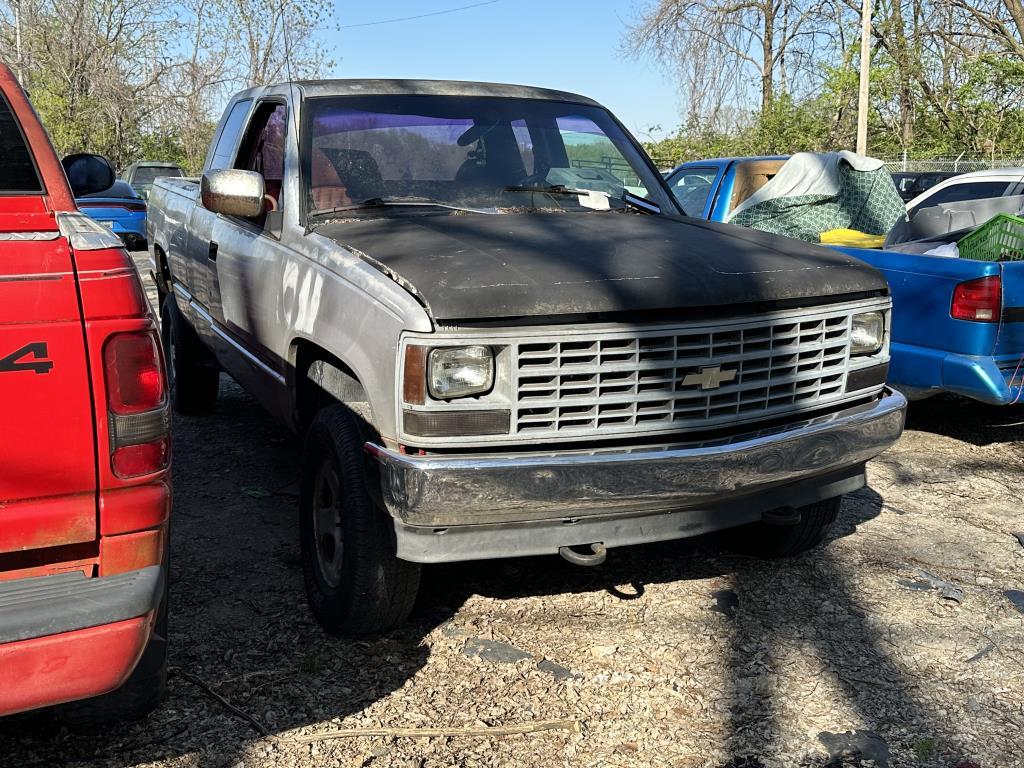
x,y
711,377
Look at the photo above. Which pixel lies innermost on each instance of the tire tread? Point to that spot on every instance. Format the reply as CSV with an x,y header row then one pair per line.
x,y
771,541
196,378
383,588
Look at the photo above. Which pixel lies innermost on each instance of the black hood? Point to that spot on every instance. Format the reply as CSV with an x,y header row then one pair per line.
x,y
480,266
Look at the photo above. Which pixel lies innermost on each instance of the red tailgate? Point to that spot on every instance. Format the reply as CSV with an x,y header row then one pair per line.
x,y
47,441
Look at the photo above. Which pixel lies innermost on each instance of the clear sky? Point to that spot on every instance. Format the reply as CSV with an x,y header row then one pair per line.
x,y
571,45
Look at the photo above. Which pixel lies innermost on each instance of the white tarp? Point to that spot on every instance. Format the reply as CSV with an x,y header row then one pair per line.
x,y
808,173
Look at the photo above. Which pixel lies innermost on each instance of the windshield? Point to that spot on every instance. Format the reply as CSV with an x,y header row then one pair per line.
x,y
147,174
466,152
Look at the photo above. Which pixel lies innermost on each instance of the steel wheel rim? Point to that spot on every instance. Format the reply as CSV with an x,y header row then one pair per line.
x,y
328,539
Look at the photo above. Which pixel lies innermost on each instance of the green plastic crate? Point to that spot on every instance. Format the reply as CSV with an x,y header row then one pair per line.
x,y
1001,238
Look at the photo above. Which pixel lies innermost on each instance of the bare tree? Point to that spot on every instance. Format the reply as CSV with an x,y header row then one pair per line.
x,y
734,48
95,67
198,85
273,40
122,77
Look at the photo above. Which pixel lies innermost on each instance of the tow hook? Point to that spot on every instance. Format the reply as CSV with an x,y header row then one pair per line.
x,y
783,517
600,554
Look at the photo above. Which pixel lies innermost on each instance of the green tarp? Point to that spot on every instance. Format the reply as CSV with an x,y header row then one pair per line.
x,y
813,193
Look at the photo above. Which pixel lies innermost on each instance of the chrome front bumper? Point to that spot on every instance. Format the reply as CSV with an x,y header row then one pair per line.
x,y
439,495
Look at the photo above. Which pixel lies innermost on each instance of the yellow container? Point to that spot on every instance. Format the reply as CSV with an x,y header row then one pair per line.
x,y
852,238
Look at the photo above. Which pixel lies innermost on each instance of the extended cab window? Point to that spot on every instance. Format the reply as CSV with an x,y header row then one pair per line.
x,y
228,135
150,174
262,151
19,174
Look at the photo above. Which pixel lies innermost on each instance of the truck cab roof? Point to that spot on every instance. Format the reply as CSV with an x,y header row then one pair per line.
x,y
724,162
390,87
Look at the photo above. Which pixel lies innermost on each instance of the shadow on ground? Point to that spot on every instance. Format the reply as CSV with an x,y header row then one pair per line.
x,y
967,420
240,624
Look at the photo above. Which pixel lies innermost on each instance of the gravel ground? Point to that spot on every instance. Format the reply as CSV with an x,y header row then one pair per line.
x,y
900,643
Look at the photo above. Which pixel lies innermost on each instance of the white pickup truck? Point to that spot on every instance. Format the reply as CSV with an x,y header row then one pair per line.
x,y
482,309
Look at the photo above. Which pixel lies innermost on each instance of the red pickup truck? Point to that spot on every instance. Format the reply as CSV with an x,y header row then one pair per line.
x,y
84,444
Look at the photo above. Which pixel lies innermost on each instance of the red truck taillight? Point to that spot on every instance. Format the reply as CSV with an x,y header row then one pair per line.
x,y
137,402
978,300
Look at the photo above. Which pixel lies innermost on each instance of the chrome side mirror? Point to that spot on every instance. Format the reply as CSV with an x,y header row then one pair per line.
x,y
232,192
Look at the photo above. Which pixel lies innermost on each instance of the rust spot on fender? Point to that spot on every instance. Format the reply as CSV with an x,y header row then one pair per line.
x,y
48,522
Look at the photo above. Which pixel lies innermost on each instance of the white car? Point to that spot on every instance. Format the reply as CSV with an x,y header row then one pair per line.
x,y
996,182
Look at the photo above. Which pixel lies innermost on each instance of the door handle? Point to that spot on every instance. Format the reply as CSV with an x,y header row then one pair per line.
x,y
212,255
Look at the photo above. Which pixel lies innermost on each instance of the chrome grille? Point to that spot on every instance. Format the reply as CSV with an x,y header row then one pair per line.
x,y
665,379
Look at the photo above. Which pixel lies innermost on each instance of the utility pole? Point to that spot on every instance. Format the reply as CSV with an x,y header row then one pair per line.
x,y
865,75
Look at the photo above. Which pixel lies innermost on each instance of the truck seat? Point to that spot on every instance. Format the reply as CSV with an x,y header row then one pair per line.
x,y
358,172
272,193
751,175
328,190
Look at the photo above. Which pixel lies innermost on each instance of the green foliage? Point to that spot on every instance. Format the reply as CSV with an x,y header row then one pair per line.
x,y
164,145
783,128
137,81
946,79
924,749
985,106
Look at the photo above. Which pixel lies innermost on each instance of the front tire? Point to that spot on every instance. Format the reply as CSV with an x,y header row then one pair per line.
x,y
192,375
773,541
355,583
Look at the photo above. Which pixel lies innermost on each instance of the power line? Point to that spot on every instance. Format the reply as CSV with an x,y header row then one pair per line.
x,y
420,16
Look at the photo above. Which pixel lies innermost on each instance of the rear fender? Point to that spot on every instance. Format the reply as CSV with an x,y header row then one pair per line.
x,y
922,294
1011,336
133,512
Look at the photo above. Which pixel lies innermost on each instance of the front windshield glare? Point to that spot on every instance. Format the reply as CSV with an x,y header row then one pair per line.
x,y
465,152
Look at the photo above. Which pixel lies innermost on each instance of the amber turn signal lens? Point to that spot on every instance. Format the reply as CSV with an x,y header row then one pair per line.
x,y
456,423
414,375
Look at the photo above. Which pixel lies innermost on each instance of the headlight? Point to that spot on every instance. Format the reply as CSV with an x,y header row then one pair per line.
x,y
868,333
460,371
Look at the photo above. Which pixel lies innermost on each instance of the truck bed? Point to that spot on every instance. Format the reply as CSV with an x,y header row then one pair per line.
x,y
933,351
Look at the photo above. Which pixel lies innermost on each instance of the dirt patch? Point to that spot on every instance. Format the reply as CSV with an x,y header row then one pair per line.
x,y
668,655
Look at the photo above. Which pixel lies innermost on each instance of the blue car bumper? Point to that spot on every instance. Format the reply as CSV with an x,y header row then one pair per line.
x,y
920,372
127,225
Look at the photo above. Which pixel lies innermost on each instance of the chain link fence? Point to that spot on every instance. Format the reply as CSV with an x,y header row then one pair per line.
x,y
665,163
959,164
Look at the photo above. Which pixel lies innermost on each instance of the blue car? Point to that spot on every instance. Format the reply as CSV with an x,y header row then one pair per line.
x,y
957,324
120,208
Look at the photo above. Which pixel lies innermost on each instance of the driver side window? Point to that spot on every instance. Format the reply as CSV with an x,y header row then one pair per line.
x,y
262,150
691,188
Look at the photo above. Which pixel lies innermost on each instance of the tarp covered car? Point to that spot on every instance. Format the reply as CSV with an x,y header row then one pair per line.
x,y
816,193
957,324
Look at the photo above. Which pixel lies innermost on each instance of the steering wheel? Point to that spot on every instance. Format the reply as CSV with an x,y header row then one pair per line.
x,y
535,180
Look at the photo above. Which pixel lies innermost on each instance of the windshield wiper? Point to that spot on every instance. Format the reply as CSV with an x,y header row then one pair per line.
x,y
384,202
373,202
628,198
640,203
376,202
554,189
